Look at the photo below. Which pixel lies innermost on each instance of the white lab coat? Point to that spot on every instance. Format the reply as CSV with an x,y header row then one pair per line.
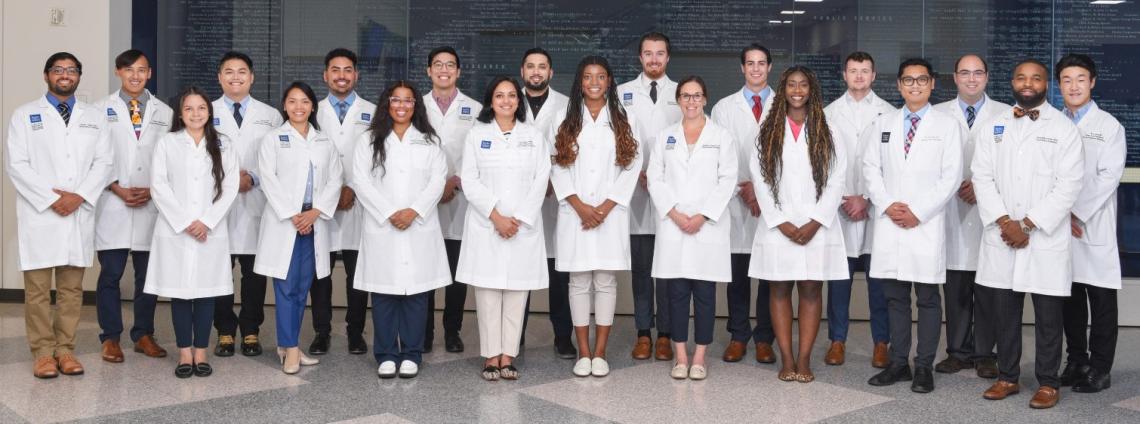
x,y
283,166
393,261
847,120
245,215
963,225
925,180
182,188
697,183
452,128
44,154
547,122
1096,258
653,117
345,227
509,174
734,113
774,257
1025,168
595,177
116,225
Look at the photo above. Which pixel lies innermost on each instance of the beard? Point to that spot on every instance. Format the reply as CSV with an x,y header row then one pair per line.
x,y
55,88
537,87
1029,101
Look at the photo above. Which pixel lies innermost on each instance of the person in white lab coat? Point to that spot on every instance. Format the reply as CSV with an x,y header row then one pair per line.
x,y
650,100
545,109
194,181
1027,175
798,178
452,114
343,115
59,159
506,169
912,164
596,166
301,177
741,113
245,121
399,171
969,336
848,116
124,216
1096,256
692,178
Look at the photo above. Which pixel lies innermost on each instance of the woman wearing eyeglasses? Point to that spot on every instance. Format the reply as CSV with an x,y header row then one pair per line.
x,y
692,176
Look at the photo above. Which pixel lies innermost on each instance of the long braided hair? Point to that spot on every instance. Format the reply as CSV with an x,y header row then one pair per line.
x,y
770,142
566,140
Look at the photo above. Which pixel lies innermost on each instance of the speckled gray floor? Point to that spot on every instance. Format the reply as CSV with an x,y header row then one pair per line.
x,y
344,388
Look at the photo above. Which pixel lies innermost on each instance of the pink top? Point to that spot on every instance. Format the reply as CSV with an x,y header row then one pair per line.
x,y
796,128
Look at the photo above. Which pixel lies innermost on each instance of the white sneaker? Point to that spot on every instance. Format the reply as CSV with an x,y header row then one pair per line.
x,y
409,369
387,369
582,367
599,367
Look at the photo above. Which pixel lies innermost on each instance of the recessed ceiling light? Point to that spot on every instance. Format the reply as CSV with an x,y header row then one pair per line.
x,y
792,12
1105,2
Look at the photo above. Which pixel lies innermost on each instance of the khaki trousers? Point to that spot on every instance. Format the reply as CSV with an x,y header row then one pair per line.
x,y
51,331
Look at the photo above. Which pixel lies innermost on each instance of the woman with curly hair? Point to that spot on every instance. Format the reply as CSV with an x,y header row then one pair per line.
x,y
798,182
596,166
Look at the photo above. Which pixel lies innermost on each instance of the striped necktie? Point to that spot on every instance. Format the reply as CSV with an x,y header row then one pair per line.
x,y
64,112
914,118
971,114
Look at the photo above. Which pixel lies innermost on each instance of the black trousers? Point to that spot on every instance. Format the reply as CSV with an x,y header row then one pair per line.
x,y
929,304
454,296
962,328
321,295
1006,307
739,296
702,296
252,302
559,304
1100,340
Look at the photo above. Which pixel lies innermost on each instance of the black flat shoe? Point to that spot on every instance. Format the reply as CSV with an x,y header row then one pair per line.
x,y
923,381
565,349
453,343
1074,373
356,344
203,369
893,374
184,371
1094,382
320,345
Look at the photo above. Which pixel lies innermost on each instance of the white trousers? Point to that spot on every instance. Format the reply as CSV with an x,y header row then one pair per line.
x,y
604,284
500,316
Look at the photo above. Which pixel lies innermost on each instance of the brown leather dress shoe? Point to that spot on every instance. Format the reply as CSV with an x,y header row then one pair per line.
x,y
836,354
68,365
882,355
764,353
643,349
1046,397
111,351
734,352
45,367
664,349
1001,390
147,346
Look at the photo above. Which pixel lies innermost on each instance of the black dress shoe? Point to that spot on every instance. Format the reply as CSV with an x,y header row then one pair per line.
x,y
891,375
320,345
951,365
987,367
1074,373
1093,382
429,340
203,369
923,381
184,371
224,349
453,343
564,349
251,346
356,344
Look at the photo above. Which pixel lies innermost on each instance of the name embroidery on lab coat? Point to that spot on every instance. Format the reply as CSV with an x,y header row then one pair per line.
x,y
264,122
419,142
710,146
1094,137
37,121
284,141
526,143
112,116
627,99
465,113
998,131
89,126
486,144
1047,140
671,143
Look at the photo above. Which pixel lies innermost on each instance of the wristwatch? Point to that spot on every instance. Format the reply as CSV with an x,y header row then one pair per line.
x,y
1025,228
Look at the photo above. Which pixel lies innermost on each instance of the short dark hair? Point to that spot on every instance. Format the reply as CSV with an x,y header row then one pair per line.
x,y
340,52
985,65
655,36
916,61
51,60
537,50
859,56
308,91
756,46
442,49
1078,60
232,54
1030,60
129,58
691,78
488,113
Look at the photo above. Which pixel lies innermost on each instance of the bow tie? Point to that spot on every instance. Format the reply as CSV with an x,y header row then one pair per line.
x,y
1019,112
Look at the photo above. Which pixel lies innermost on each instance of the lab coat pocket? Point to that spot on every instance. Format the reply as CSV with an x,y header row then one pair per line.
x,y
1098,230
991,235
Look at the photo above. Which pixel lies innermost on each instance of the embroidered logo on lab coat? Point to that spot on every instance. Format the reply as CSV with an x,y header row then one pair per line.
x,y
627,99
284,140
112,116
670,143
486,144
366,117
37,121
998,131
217,121
465,113
886,138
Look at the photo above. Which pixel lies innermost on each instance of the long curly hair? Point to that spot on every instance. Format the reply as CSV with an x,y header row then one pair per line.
x,y
770,142
566,140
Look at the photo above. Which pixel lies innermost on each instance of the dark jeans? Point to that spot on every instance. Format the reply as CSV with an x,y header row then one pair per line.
x,y
398,327
321,295
740,306
702,294
1100,340
454,296
191,318
112,263
252,302
646,293
839,304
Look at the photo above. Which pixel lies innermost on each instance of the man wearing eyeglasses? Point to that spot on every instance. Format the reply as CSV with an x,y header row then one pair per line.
x,y
452,114
59,159
912,165
969,340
